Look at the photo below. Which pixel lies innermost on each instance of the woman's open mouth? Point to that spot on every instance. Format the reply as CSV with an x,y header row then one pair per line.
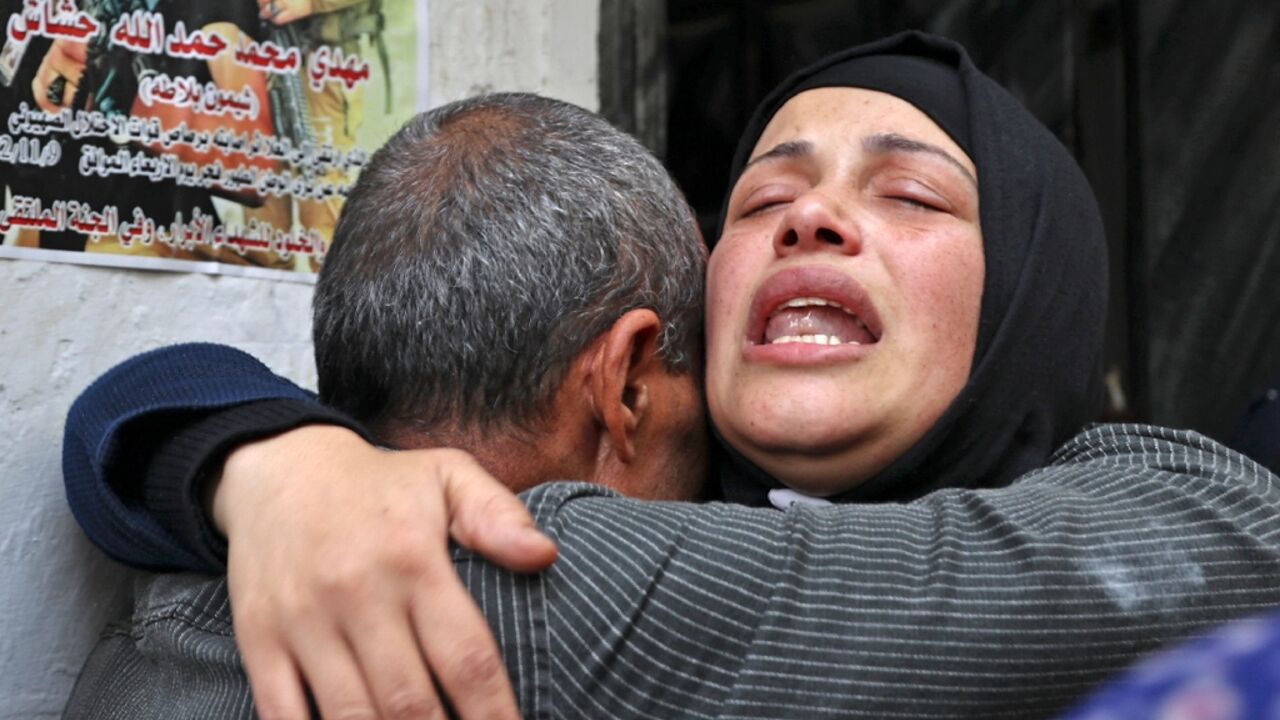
x,y
811,314
816,321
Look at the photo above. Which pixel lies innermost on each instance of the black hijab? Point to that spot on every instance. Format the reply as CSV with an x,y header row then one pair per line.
x,y
1036,374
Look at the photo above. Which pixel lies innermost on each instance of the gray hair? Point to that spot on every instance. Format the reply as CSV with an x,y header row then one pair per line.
x,y
483,248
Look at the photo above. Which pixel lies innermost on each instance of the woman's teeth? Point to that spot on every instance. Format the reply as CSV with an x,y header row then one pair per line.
x,y
812,340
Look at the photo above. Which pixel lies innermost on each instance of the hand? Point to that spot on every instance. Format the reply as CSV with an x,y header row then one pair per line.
x,y
284,11
340,575
65,59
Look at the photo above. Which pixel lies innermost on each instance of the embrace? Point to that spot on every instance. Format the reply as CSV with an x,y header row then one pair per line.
x,y
882,376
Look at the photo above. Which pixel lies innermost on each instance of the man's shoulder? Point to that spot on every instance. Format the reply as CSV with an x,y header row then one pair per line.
x,y
1156,451
559,505
548,498
1138,440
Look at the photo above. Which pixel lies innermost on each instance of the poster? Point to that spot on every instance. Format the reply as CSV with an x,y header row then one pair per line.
x,y
216,136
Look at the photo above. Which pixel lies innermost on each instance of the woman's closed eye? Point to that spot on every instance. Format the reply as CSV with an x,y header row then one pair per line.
x,y
759,208
765,199
916,203
915,195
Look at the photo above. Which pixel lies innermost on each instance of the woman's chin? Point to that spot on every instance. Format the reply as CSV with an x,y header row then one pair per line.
x,y
821,475
808,459
805,430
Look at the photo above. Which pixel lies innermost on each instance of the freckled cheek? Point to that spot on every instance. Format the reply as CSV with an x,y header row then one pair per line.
x,y
945,286
727,279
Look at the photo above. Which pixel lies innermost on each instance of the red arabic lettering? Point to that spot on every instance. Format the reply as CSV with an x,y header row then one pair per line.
x,y
87,222
55,19
80,28
28,212
141,229
198,44
20,28
328,63
140,31
268,56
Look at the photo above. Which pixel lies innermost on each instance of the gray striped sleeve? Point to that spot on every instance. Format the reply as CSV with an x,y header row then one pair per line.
x,y
997,603
174,658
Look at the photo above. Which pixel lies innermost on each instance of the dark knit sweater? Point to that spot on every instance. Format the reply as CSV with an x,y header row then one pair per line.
x,y
140,441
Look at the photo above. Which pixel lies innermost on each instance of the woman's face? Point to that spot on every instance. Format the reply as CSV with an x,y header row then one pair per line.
x,y
843,295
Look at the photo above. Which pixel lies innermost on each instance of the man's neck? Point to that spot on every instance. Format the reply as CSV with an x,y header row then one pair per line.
x,y
518,458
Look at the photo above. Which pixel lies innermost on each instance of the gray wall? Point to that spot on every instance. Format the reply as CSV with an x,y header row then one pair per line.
x,y
63,325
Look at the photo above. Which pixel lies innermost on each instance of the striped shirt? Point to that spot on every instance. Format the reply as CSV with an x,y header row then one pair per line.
x,y
1010,602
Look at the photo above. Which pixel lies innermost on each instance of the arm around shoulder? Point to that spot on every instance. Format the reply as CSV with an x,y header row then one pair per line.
x,y
1005,602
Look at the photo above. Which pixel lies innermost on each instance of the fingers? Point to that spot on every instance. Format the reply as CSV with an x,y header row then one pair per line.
x,y
76,52
286,17
68,60
462,652
40,90
349,584
387,649
486,517
332,672
274,676
277,688
281,12
65,61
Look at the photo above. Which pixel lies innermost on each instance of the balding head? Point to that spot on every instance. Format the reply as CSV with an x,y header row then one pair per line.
x,y
483,249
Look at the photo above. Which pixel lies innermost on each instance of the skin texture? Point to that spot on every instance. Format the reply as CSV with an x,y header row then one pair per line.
x,y
834,191
619,419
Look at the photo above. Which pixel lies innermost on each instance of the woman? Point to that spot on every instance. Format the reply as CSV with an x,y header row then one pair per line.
x,y
970,397
897,204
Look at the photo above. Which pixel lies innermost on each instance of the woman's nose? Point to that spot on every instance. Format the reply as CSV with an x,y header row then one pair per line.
x,y
813,224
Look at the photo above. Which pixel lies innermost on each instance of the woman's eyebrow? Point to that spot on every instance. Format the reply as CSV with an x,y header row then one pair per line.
x,y
789,149
893,142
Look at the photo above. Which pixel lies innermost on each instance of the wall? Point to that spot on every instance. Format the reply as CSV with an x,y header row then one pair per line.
x,y
62,325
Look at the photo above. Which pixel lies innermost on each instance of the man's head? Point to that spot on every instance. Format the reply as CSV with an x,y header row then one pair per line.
x,y
513,276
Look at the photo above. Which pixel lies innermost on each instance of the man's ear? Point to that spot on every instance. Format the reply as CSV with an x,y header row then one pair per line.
x,y
620,391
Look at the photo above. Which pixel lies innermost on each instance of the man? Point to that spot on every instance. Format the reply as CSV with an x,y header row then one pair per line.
x,y
514,277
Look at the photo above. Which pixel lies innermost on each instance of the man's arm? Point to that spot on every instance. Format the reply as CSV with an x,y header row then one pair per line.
x,y
996,603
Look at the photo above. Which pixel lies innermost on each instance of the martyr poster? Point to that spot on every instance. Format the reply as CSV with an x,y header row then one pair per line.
x,y
206,135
